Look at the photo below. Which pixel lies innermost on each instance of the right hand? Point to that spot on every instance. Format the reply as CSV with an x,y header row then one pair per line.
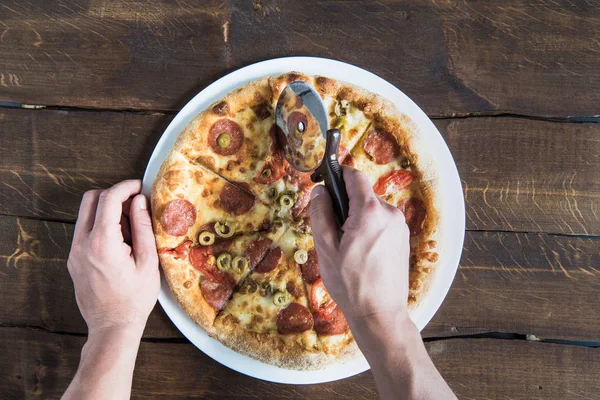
x,y
365,267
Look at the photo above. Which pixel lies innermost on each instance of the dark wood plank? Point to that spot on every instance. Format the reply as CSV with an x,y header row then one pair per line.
x,y
518,174
525,175
536,284
41,365
141,55
35,283
451,57
545,285
49,158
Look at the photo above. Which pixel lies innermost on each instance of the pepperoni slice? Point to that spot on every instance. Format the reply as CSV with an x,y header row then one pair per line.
x,y
293,289
231,141
310,269
320,300
333,323
270,260
235,200
394,181
414,213
295,318
203,259
180,252
256,251
348,161
178,216
272,171
216,294
381,146
300,179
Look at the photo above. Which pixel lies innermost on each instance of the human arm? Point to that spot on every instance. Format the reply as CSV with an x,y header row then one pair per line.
x,y
365,269
114,267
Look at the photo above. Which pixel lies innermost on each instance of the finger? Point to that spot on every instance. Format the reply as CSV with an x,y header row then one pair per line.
x,y
87,213
126,206
126,229
323,223
110,204
142,236
360,192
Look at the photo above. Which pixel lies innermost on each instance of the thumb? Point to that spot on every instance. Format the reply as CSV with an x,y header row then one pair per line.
x,y
325,233
142,236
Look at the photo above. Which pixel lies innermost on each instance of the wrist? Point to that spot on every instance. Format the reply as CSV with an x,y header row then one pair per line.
x,y
378,331
118,334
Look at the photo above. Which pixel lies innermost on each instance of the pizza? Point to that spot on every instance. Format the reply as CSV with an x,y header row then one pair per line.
x,y
233,230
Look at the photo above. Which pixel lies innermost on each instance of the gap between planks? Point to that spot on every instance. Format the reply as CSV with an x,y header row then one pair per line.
x,y
552,234
485,335
484,114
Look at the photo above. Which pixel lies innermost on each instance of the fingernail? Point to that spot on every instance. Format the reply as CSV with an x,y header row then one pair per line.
x,y
317,190
143,203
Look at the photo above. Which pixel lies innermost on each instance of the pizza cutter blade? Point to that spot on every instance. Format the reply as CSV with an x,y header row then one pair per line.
x,y
308,143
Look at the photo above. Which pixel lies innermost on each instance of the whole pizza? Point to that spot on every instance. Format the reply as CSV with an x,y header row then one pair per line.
x,y
232,223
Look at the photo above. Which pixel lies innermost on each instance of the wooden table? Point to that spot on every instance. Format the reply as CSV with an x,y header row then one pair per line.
x,y
87,88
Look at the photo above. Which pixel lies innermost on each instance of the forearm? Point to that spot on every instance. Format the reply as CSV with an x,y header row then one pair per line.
x,y
106,366
398,359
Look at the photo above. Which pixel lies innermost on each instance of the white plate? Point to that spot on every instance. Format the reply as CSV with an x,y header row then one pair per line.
x,y
452,226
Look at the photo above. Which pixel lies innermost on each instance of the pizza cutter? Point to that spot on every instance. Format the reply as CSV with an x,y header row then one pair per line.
x,y
308,143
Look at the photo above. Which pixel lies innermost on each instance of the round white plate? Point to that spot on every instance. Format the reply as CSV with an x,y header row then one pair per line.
x,y
452,227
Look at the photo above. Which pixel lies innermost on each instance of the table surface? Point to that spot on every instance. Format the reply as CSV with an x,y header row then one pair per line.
x,y
87,88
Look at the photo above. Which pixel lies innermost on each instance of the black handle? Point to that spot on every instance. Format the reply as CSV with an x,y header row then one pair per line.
x,y
331,173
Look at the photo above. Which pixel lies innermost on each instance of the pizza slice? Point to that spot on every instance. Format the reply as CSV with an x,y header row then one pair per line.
x,y
333,333
268,317
190,199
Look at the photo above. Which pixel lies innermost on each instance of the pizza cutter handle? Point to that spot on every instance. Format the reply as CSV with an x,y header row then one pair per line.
x,y
331,172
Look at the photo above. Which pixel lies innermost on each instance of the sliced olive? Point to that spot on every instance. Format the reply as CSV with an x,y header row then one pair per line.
x,y
223,140
278,222
301,256
266,172
266,289
286,201
225,229
206,238
281,299
299,222
272,193
405,163
239,264
224,261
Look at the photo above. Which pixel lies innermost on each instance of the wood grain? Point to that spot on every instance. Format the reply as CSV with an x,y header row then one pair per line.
x,y
123,55
450,57
518,174
518,283
41,365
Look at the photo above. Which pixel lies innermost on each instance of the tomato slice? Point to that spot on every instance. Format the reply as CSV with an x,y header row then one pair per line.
x,y
320,300
394,180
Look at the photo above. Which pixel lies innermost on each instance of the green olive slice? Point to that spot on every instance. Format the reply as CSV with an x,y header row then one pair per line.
x,y
286,201
266,289
278,222
405,163
239,264
281,299
224,261
223,140
225,229
206,238
266,172
301,256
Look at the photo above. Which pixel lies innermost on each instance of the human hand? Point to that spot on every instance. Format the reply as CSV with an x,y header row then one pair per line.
x,y
365,269
114,263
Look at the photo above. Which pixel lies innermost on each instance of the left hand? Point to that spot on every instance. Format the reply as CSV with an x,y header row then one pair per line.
x,y
113,262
